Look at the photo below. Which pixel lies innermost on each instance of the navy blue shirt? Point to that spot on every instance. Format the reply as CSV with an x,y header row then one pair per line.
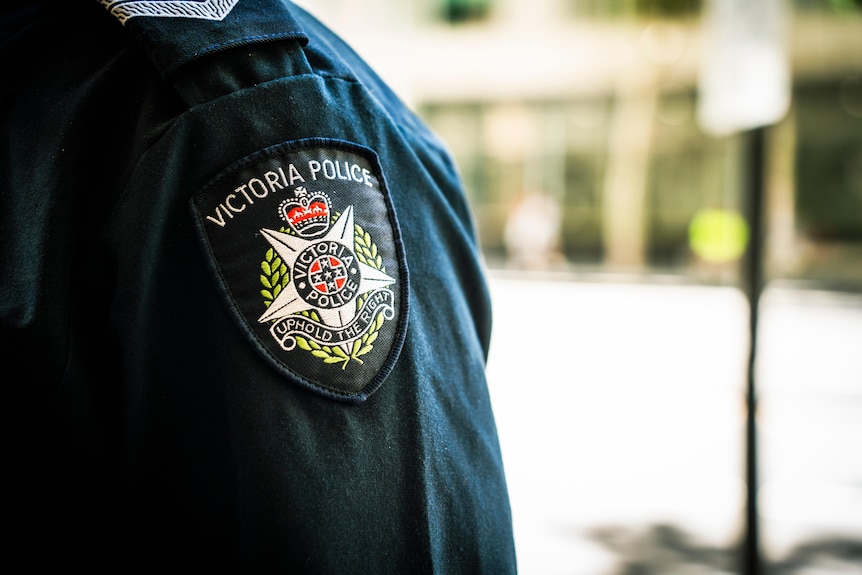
x,y
243,314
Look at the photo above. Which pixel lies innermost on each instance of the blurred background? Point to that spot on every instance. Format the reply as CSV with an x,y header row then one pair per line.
x,y
654,181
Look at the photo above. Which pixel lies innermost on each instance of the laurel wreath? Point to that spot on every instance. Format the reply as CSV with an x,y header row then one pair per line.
x,y
275,277
366,250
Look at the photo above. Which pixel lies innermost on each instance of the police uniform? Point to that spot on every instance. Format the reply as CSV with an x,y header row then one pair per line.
x,y
244,318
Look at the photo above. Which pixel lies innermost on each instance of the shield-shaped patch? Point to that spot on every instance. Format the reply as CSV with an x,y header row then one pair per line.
x,y
304,241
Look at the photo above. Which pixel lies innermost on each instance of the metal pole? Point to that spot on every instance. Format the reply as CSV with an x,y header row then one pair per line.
x,y
753,278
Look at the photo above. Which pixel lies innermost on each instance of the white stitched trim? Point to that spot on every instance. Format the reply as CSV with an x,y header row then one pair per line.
x,y
206,10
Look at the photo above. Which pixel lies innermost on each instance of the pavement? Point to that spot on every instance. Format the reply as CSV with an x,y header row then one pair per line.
x,y
621,413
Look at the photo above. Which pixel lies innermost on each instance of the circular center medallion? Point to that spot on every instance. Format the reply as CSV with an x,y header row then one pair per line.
x,y
326,275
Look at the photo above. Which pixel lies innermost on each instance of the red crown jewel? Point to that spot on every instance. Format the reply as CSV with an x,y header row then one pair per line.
x,y
306,214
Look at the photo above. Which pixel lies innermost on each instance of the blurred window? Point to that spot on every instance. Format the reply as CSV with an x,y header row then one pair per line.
x,y
560,149
829,178
827,5
643,8
668,8
458,11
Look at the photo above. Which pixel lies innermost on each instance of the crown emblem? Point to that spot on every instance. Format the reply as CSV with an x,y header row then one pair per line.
x,y
306,214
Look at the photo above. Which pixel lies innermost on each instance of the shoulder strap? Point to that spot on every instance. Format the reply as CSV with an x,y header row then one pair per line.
x,y
179,34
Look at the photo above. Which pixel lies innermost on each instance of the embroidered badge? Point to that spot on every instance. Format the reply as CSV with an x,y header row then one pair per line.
x,y
201,9
305,244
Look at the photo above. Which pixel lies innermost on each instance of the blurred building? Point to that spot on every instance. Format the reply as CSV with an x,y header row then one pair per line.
x,y
592,104
576,127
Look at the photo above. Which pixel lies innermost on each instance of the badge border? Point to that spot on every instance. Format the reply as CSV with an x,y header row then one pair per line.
x,y
403,284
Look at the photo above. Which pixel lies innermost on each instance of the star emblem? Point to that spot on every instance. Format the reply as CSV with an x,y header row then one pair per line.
x,y
294,297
